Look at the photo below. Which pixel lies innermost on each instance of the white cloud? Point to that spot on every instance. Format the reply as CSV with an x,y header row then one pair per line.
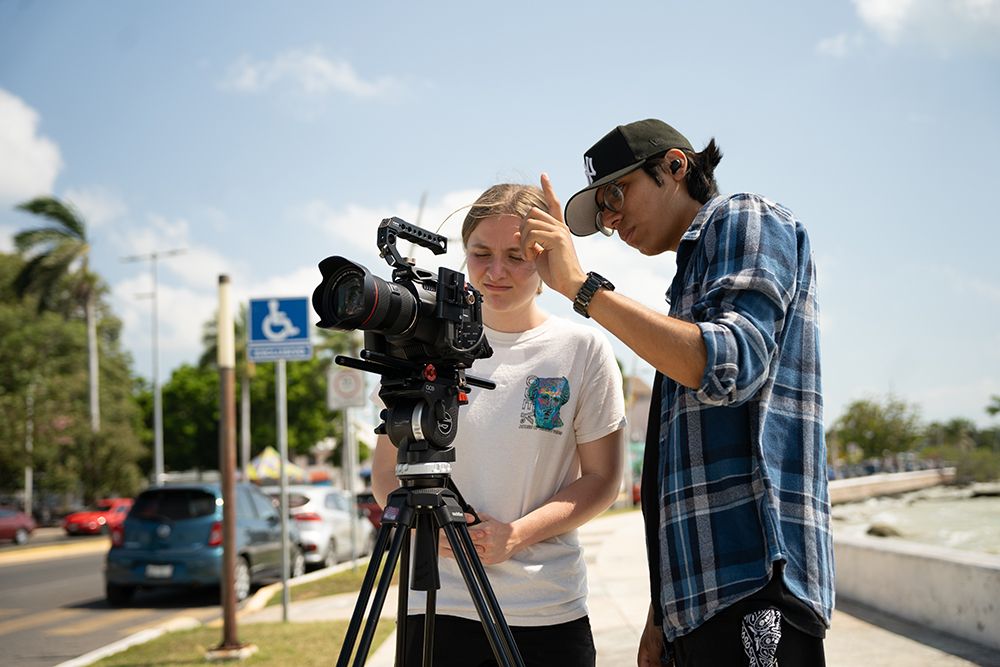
x,y
308,72
946,25
839,46
352,229
186,291
195,265
29,162
97,205
7,238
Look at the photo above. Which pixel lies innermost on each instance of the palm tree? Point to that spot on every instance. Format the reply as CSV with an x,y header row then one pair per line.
x,y
56,251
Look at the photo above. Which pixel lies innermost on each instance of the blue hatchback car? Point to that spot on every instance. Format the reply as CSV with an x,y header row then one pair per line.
x,y
172,537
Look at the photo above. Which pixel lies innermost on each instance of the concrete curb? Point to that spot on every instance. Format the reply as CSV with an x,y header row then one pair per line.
x,y
141,637
48,552
256,602
259,600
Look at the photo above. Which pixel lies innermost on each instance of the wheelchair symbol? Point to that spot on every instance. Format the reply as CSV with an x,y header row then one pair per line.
x,y
276,325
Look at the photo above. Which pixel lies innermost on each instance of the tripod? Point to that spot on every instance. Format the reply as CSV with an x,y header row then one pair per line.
x,y
428,500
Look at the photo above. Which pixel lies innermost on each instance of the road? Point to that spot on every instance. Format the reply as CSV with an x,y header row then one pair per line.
x,y
52,605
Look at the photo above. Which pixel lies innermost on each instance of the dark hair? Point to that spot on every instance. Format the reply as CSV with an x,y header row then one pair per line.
x,y
700,177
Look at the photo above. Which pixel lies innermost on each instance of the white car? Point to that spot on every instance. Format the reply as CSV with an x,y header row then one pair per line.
x,y
323,516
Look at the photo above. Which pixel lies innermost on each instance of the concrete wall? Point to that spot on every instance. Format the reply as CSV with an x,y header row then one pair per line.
x,y
957,592
886,484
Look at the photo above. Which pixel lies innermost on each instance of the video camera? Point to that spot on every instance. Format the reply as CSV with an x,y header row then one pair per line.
x,y
421,333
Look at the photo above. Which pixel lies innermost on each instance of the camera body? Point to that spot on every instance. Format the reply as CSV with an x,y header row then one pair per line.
x,y
420,317
421,332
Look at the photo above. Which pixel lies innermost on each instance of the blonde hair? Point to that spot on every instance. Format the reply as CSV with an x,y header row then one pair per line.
x,y
502,199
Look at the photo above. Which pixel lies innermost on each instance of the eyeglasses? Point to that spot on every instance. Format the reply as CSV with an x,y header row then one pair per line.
x,y
610,198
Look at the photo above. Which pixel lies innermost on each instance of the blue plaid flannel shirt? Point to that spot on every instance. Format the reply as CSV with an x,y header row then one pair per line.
x,y
742,459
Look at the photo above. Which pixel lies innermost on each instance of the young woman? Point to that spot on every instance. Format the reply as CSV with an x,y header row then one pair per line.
x,y
536,457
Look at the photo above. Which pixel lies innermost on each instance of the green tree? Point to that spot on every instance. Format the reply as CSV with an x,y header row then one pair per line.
x,y
306,394
56,251
994,407
876,427
958,432
44,398
191,425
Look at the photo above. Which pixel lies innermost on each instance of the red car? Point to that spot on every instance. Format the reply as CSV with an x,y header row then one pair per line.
x,y
370,508
15,525
100,518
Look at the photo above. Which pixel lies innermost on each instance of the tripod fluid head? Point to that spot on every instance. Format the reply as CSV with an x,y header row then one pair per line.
x,y
421,408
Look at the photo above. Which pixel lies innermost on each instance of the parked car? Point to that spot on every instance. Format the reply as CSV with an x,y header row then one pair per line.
x,y
100,518
323,517
172,537
371,509
15,525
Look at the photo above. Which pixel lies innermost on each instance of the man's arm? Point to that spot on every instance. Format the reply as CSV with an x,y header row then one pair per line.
x,y
672,346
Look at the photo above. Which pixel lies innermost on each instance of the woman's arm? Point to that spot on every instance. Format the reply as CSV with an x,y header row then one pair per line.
x,y
384,479
577,503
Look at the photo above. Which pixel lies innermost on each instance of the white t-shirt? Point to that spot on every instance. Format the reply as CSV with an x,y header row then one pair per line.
x,y
557,385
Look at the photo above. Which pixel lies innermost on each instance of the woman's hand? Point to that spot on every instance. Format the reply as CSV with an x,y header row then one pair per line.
x,y
545,238
494,540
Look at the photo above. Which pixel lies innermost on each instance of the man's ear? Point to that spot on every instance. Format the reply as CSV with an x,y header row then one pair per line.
x,y
675,164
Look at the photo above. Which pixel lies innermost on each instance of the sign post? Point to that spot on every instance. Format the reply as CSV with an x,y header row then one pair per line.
x,y
346,390
279,331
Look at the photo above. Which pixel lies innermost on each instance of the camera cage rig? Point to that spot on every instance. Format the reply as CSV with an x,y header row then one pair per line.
x,y
421,397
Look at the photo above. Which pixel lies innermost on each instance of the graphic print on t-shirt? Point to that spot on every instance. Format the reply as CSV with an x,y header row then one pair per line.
x,y
543,398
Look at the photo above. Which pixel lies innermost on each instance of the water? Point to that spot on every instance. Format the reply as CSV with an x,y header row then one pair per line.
x,y
944,516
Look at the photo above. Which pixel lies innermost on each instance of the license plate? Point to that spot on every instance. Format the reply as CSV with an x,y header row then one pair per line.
x,y
159,571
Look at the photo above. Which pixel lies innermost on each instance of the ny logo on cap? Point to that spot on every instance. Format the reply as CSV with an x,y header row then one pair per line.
x,y
588,168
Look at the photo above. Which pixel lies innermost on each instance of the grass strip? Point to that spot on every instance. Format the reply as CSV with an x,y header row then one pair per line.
x,y
279,645
348,581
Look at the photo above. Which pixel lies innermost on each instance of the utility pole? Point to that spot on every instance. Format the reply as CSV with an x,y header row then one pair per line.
x,y
230,648
158,474
29,448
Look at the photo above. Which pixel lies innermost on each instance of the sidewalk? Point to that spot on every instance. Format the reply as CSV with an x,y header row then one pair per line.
x,y
619,598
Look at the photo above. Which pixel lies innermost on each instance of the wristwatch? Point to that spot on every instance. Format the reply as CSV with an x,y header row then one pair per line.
x,y
594,282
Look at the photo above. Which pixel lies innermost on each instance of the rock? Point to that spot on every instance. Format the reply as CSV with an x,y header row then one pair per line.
x,y
985,490
883,530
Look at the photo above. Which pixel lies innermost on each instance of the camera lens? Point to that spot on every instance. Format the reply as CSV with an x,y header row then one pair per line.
x,y
350,297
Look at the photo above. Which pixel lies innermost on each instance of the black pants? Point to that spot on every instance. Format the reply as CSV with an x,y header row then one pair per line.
x,y
459,642
748,638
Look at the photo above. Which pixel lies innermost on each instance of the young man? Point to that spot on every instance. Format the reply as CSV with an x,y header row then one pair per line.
x,y
734,481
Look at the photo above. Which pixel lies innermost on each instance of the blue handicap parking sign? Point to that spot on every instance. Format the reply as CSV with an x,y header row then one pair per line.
x,y
279,329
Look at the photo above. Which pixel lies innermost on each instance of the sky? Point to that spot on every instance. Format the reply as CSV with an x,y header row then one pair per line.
x,y
261,137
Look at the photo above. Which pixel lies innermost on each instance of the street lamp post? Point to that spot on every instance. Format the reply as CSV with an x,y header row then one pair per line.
x,y
158,474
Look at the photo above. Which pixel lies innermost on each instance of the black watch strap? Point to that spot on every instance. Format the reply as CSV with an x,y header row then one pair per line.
x,y
594,282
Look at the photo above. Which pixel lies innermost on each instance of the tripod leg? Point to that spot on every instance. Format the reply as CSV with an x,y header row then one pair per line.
x,y
487,606
484,585
402,602
400,535
361,654
364,594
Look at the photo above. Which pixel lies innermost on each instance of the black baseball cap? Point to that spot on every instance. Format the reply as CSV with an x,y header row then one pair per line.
x,y
620,151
